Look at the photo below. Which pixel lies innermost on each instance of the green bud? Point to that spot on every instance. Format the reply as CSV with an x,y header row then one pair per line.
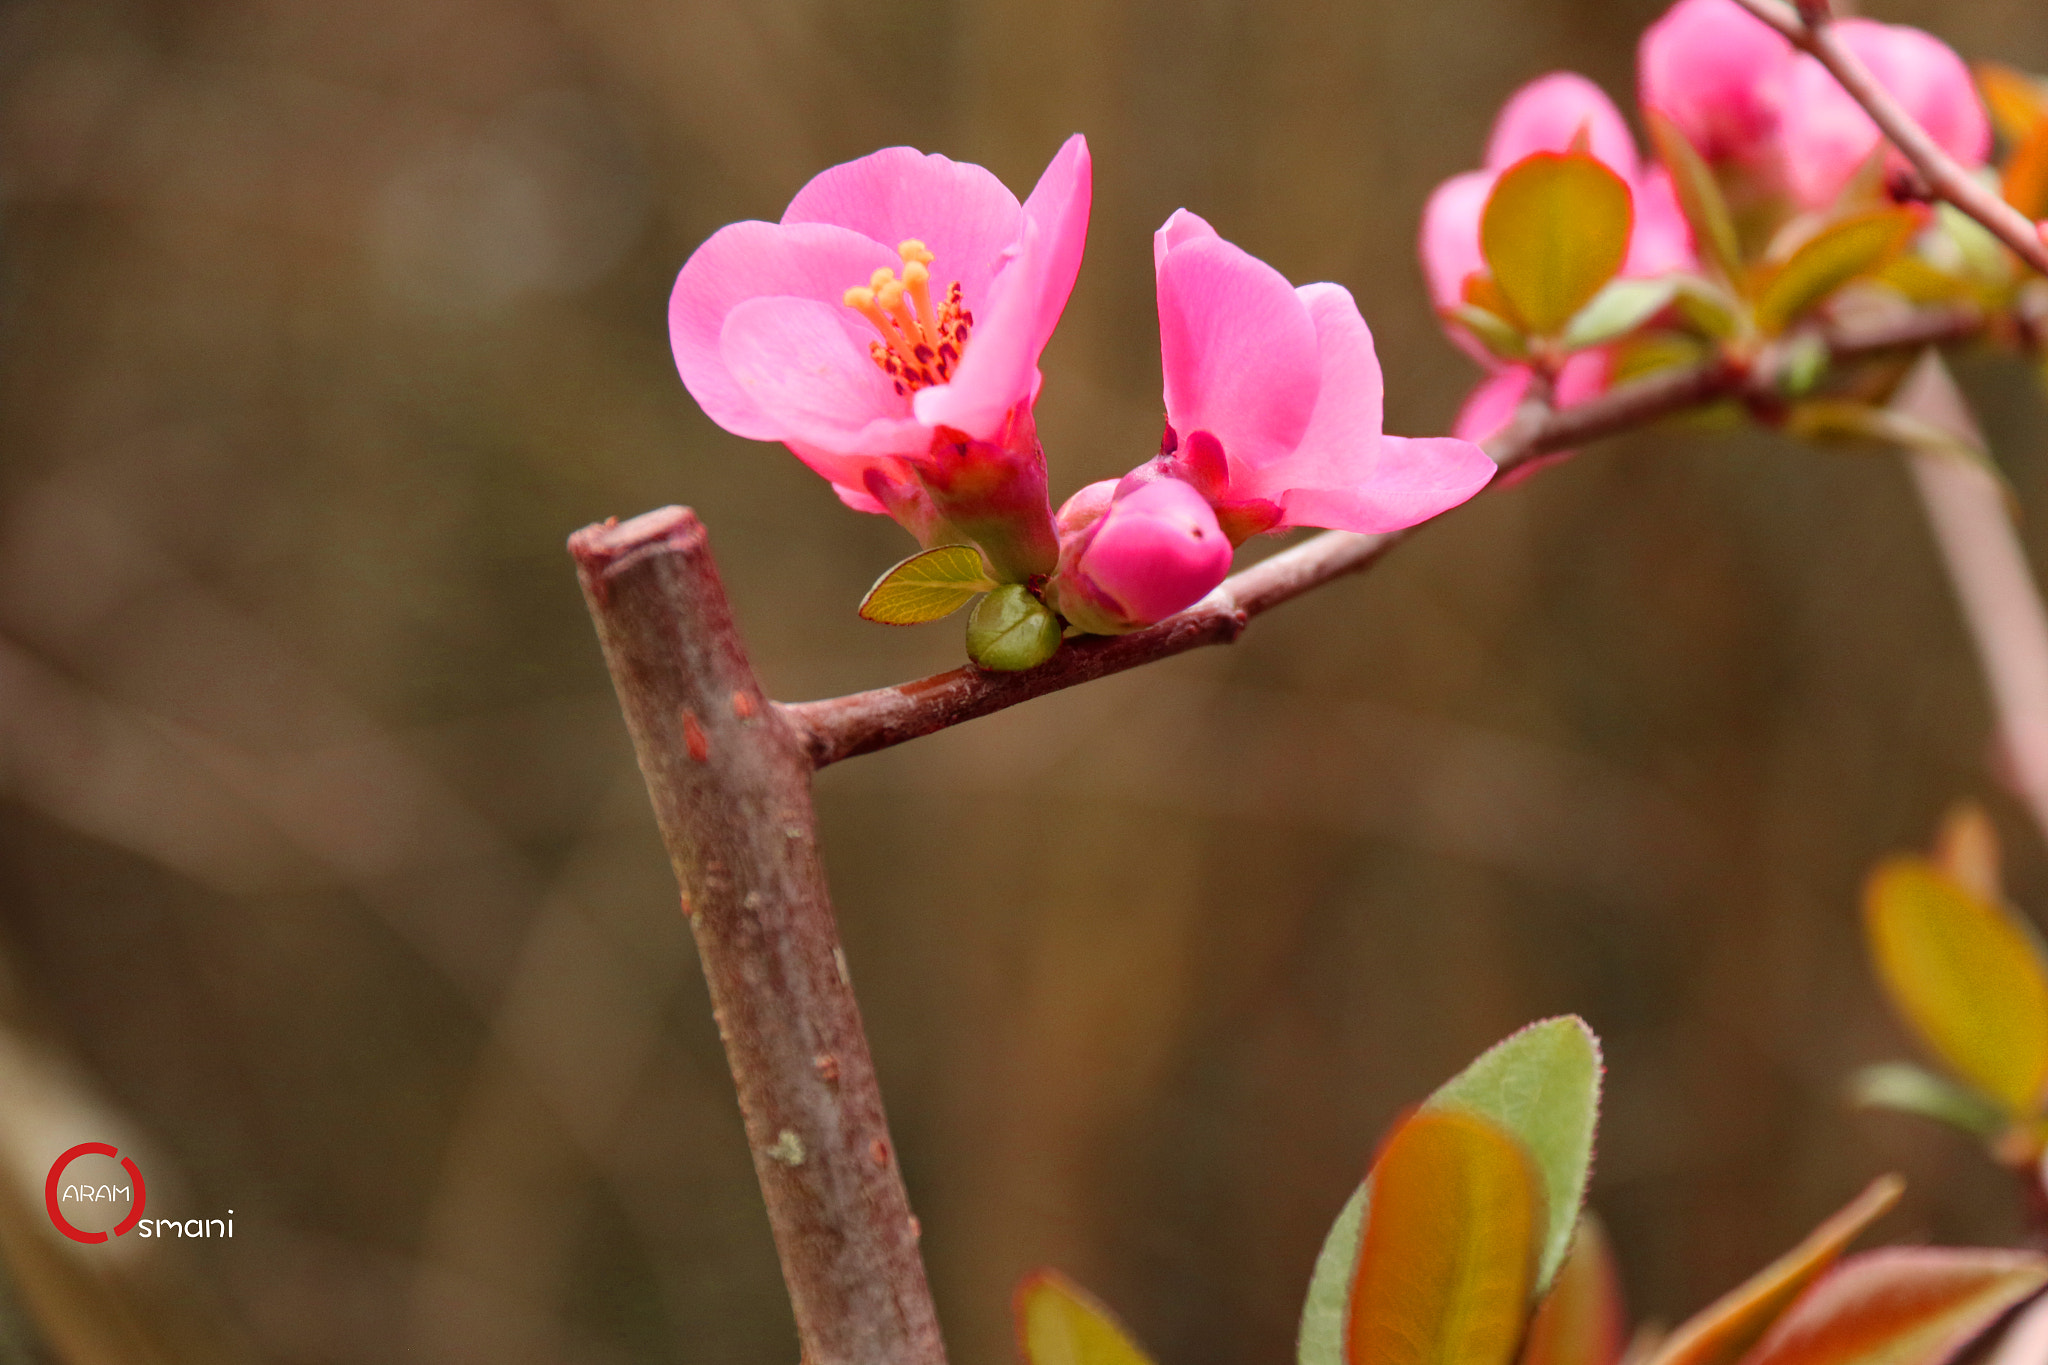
x,y
1011,630
1805,365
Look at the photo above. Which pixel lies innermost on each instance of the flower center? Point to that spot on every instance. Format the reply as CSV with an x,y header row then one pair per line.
x,y
920,344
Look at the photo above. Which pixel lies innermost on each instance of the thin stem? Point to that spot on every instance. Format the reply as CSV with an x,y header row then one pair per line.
x,y
1812,28
2001,606
731,788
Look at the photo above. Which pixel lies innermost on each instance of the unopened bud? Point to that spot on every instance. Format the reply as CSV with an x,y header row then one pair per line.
x,y
1155,550
1011,630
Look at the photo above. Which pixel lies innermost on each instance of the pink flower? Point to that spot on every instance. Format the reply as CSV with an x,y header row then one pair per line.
x,y
1135,551
1826,136
887,331
1718,72
1547,115
1273,400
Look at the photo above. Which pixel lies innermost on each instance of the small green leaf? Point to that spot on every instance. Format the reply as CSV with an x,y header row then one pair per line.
x,y
926,586
1328,1306
1826,261
1805,364
1699,195
1913,1090
1011,630
1542,1085
1492,331
1554,230
1967,974
1712,309
1617,310
1060,1323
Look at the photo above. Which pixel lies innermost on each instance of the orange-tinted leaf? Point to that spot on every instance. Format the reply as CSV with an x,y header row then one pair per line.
x,y
2026,172
1448,1260
1967,850
1829,259
1581,1320
1903,1306
1733,1323
1060,1323
1554,230
1967,974
2017,101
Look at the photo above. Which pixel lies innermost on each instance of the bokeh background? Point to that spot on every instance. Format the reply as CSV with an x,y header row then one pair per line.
x,y
327,884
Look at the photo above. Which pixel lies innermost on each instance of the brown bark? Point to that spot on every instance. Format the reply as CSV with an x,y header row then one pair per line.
x,y
731,787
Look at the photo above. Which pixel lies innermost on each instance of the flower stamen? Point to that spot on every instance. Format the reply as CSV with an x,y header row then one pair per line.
x,y
920,343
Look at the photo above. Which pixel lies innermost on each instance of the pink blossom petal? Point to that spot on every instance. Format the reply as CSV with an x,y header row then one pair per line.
x,y
1450,234
1491,405
1156,550
1826,135
1662,240
804,371
1718,72
1182,226
1413,480
743,261
960,211
1238,349
1059,207
1549,112
1341,444
1000,368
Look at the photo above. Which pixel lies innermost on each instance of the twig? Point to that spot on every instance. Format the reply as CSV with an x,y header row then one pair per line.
x,y
2001,606
731,787
1810,27
841,727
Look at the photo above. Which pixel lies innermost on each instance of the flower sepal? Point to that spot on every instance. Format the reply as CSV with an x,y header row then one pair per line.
x,y
994,493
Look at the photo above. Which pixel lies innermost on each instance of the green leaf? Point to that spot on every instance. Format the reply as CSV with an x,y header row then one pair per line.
x,y
1967,974
1826,261
1903,1306
1060,1323
1720,1333
1011,630
1328,1306
1699,195
1712,309
1492,331
1554,230
1913,1090
1447,1262
1617,310
1542,1085
1928,415
926,586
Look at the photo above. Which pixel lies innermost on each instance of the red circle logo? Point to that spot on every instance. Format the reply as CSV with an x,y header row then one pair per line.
x,y
63,1224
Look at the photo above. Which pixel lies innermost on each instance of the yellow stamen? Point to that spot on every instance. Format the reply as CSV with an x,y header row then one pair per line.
x,y
890,298
919,281
914,250
862,301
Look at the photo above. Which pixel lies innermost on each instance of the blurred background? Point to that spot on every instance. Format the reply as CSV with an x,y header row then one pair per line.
x,y
328,890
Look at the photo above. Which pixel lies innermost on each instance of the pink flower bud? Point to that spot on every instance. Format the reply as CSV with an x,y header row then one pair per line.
x,y
1825,134
1718,72
1136,552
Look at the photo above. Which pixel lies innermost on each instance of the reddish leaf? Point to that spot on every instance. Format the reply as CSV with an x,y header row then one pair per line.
x,y
1903,1306
1734,1322
1448,1260
1581,1320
